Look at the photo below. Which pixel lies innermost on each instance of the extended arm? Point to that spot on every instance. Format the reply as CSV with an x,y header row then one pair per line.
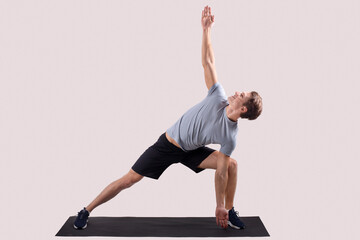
x,y
207,53
221,179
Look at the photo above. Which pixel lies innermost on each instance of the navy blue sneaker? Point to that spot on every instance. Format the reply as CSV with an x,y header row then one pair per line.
x,y
234,220
82,219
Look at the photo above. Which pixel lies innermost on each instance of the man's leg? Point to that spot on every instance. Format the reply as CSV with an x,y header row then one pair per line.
x,y
114,188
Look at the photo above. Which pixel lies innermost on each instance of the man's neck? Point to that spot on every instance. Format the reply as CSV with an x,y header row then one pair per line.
x,y
230,113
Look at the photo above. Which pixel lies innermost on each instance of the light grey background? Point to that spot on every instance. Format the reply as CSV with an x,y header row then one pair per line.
x,y
87,86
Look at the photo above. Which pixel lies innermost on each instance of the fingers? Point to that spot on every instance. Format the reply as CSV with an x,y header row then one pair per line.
x,y
206,11
222,222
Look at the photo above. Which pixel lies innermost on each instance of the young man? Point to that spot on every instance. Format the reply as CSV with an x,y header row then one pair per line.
x,y
213,120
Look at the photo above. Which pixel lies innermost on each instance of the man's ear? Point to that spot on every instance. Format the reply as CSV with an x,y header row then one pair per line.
x,y
243,109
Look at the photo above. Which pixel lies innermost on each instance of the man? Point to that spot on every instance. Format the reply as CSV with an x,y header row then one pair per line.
x,y
213,120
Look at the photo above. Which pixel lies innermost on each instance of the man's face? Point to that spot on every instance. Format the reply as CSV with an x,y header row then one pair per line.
x,y
238,99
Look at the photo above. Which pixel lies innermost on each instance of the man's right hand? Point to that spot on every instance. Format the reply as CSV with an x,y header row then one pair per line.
x,y
222,217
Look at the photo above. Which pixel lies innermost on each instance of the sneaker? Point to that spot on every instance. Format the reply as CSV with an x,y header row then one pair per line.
x,y
234,220
81,219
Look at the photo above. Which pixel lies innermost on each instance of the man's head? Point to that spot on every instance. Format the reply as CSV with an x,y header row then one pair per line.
x,y
246,104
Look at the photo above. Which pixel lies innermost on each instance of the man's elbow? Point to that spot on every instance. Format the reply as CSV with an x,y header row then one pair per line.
x,y
208,63
221,174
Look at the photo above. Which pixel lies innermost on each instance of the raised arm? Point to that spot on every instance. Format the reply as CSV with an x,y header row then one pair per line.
x,y
207,53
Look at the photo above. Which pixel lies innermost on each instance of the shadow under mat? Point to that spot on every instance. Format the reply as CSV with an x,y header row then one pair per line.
x,y
162,227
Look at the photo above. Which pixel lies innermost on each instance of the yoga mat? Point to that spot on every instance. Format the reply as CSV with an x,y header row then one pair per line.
x,y
162,227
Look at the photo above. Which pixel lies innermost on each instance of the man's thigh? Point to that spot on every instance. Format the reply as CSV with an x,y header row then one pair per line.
x,y
194,158
210,161
157,158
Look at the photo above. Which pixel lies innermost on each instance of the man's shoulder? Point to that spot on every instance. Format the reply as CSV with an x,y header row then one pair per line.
x,y
216,90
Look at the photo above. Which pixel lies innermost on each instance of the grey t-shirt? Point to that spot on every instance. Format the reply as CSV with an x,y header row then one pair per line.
x,y
206,123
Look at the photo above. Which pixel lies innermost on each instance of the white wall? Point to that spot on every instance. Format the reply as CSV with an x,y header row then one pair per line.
x,y
87,86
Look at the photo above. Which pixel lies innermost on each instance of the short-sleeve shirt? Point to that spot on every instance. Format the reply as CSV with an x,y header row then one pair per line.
x,y
206,123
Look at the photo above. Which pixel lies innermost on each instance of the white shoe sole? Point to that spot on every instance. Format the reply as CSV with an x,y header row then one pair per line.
x,y
233,226
82,227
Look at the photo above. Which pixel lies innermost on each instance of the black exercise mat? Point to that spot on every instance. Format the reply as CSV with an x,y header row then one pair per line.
x,y
162,227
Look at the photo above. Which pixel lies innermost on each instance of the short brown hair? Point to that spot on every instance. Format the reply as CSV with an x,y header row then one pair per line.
x,y
254,107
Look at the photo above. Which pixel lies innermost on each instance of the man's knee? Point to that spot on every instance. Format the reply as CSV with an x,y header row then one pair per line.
x,y
131,178
135,177
232,165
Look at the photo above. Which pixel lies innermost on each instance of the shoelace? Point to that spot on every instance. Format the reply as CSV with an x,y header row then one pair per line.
x,y
81,214
237,214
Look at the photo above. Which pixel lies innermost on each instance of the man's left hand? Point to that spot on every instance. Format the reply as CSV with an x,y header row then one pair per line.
x,y
207,19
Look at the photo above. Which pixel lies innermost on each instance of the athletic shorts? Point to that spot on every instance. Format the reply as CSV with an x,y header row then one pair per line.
x,y
158,157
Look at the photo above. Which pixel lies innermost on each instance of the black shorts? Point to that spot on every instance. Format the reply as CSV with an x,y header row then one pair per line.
x,y
158,157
